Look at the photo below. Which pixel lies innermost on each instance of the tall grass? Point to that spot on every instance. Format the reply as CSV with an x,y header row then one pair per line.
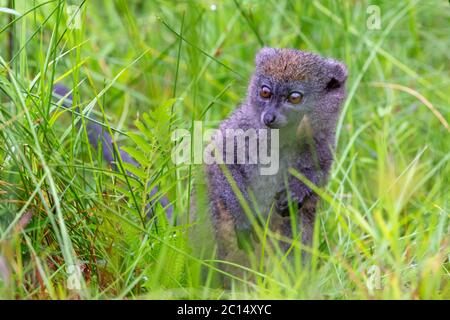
x,y
144,68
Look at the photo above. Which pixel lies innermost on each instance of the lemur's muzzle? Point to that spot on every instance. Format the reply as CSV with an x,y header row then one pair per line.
x,y
269,118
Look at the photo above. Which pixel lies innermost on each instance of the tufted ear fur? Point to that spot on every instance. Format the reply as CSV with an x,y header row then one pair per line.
x,y
264,54
337,75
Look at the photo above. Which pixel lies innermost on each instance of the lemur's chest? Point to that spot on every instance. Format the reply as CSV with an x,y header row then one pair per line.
x,y
265,187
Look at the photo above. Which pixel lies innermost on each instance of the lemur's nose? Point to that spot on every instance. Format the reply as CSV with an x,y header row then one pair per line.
x,y
268,118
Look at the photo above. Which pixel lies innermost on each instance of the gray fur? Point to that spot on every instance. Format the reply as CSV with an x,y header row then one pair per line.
x,y
100,139
307,139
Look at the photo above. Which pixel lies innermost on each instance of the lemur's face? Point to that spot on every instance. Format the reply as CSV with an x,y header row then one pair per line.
x,y
289,84
279,103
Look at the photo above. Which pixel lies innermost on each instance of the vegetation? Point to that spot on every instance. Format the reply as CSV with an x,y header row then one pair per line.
x,y
144,68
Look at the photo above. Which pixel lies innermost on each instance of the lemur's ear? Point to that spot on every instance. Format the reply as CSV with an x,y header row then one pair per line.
x,y
263,55
337,75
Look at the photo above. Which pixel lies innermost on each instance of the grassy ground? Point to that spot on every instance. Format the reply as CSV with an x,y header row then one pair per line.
x,y
382,229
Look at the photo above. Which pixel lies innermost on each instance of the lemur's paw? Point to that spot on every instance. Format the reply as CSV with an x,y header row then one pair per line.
x,y
282,202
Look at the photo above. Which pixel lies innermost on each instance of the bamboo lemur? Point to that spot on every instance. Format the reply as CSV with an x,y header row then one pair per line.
x,y
300,94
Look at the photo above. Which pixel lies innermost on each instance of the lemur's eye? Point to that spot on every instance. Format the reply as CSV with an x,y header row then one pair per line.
x,y
265,92
295,97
